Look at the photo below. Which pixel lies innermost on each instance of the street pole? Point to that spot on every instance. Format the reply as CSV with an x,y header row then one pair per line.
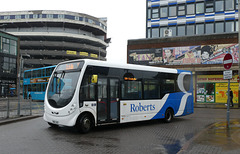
x,y
19,82
228,105
238,57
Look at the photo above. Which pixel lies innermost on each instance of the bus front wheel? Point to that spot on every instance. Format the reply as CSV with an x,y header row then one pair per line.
x,y
85,123
168,115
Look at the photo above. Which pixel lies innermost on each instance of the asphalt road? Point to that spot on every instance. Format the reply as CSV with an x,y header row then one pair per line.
x,y
35,135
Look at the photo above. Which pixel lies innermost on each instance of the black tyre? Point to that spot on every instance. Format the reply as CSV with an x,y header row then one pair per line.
x,y
53,125
168,115
85,123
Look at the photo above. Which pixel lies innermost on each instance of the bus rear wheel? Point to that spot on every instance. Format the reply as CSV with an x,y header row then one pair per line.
x,y
168,115
85,123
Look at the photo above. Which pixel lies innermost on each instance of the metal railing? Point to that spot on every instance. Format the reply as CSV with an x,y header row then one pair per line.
x,y
9,107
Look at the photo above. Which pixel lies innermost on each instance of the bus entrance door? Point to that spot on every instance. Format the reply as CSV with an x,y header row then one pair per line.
x,y
108,100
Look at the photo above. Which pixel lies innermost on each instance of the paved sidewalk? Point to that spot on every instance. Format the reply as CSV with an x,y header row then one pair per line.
x,y
215,139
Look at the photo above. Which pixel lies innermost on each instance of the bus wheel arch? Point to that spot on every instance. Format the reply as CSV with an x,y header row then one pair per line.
x,y
169,115
85,122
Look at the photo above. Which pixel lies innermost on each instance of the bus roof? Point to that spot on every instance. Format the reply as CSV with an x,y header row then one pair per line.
x,y
127,66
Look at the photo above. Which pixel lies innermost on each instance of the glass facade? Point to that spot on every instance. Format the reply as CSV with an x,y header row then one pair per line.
x,y
8,64
192,17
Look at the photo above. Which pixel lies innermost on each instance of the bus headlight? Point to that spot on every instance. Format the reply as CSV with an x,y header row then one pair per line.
x,y
72,108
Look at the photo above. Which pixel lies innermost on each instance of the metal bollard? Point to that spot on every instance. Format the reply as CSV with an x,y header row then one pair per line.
x,y
8,108
30,102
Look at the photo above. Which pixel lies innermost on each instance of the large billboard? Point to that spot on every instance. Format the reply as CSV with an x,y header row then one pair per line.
x,y
201,54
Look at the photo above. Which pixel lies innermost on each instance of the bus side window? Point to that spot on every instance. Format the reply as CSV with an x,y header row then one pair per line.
x,y
151,89
132,90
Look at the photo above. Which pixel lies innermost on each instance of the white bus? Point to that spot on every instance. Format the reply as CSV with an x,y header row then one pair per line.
x,y
88,93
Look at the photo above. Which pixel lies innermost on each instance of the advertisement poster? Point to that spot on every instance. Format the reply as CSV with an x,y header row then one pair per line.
x,y
221,92
187,55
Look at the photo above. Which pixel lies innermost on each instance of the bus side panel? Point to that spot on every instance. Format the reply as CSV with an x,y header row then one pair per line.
x,y
139,110
180,103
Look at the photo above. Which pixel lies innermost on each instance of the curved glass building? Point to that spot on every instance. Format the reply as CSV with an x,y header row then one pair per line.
x,y
48,37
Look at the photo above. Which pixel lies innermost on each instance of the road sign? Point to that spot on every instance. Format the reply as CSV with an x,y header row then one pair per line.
x,y
227,74
227,61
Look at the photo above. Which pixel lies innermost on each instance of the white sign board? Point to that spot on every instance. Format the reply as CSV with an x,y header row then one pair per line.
x,y
227,74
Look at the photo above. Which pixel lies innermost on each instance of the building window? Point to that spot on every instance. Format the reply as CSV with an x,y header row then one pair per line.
x,y
229,26
49,15
18,17
163,12
149,14
209,6
236,26
209,28
174,31
181,30
172,11
229,5
236,1
155,32
155,13
199,29
13,47
6,45
199,8
190,30
190,9
5,66
162,31
219,5
219,27
181,10
35,16
61,16
149,33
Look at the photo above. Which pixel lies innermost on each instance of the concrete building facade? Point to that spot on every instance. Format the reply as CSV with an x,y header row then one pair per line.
x,y
48,37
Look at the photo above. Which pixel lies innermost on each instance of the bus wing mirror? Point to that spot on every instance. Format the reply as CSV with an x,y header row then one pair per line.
x,y
94,79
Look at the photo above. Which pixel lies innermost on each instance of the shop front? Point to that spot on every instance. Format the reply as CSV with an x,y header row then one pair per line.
x,y
214,89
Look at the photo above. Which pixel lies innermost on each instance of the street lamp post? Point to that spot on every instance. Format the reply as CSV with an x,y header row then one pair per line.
x,y
19,79
21,63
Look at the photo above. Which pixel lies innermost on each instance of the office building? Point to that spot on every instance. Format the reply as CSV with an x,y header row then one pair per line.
x,y
8,64
193,35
